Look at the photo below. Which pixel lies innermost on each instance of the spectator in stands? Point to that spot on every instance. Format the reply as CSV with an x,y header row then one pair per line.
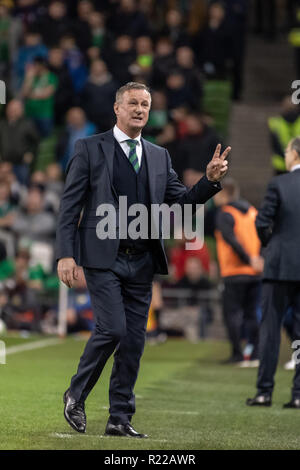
x,y
164,61
32,48
141,69
81,26
158,116
75,61
173,28
282,129
7,208
167,138
10,38
178,92
18,140
198,142
64,94
185,63
195,278
51,198
98,96
241,265
55,24
33,223
178,256
213,44
39,90
129,20
77,127
18,191
121,57
97,27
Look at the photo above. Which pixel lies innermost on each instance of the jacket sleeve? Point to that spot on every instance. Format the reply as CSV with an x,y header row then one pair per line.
x,y
73,199
176,192
266,216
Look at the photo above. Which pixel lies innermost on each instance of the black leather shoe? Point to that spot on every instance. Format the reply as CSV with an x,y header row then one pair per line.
x,y
125,430
74,413
295,403
259,400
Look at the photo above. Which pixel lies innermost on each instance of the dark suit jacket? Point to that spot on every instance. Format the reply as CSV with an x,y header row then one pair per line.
x,y
89,184
278,226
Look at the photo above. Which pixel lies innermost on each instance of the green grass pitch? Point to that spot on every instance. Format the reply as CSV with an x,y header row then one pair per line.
x,y
185,400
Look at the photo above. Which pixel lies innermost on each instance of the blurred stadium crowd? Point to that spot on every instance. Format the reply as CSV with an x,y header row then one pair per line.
x,y
62,62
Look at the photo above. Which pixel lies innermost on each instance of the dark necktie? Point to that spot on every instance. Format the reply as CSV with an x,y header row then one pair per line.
x,y
132,154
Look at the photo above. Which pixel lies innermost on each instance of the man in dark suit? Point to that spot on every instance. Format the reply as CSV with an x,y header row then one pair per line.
x,y
118,271
278,227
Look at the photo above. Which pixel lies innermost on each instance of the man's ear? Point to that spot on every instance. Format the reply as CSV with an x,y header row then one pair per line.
x,y
116,107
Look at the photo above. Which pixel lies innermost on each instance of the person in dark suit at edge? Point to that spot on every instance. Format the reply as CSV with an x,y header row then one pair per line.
x,y
118,272
278,226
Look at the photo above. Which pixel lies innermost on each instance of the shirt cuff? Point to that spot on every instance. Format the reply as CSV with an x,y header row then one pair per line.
x,y
214,184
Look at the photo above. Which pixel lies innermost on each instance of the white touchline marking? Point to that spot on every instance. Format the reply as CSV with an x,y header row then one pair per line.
x,y
101,436
165,411
33,345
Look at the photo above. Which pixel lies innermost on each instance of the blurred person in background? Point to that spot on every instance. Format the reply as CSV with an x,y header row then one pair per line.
x,y
10,37
238,249
282,129
32,48
7,208
158,116
77,127
198,142
98,95
128,19
18,140
99,33
164,61
55,24
64,93
174,28
75,61
33,222
177,91
39,90
121,56
278,228
18,191
144,57
213,45
81,26
186,64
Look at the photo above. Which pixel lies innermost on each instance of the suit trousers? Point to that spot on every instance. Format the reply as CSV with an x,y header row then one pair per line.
x,y
120,299
277,297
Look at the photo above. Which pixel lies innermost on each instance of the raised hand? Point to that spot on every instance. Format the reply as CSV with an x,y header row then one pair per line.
x,y
218,166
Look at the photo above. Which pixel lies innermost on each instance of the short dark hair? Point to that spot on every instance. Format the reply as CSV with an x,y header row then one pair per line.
x,y
295,145
131,86
231,187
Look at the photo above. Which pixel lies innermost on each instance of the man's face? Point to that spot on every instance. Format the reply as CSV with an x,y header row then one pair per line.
x,y
133,110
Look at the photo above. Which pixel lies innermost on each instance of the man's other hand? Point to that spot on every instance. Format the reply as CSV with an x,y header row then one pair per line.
x,y
67,271
257,263
218,166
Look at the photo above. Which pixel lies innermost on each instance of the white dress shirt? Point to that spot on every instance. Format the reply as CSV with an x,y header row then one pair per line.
x,y
121,137
295,167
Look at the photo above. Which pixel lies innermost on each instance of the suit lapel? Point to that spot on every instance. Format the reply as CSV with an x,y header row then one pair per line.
x,y
108,147
152,169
